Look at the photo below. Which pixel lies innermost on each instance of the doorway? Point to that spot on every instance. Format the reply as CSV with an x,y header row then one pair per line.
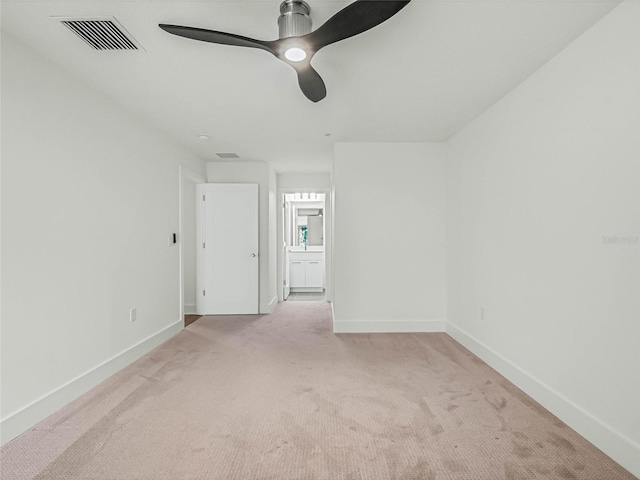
x,y
187,241
303,248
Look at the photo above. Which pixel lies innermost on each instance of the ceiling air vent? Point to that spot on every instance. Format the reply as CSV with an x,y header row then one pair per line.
x,y
227,155
101,33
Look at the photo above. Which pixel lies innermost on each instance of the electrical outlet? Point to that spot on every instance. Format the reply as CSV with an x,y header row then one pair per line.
x,y
133,314
482,317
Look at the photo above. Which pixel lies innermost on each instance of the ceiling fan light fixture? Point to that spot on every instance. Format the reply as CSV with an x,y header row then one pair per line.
x,y
295,54
297,43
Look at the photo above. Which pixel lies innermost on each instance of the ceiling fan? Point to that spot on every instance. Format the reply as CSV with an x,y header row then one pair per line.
x,y
297,43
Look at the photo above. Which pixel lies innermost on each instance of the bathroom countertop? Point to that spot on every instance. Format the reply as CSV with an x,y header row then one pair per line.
x,y
308,249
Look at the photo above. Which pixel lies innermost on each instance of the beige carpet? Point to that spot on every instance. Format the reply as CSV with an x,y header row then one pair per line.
x,y
281,397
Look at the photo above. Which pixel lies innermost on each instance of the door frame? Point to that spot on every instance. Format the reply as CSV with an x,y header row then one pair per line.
x,y
284,266
328,239
186,175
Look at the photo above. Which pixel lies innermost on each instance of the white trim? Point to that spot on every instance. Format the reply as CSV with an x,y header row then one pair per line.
x,y
274,302
388,326
307,289
199,251
26,417
266,309
184,174
190,309
333,317
613,443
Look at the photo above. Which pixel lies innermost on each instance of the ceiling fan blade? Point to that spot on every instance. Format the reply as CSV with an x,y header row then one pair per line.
x,y
310,81
354,19
216,37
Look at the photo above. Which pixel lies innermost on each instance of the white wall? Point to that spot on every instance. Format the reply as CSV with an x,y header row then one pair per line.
x,y
536,186
273,235
389,237
315,230
260,173
89,198
304,182
188,238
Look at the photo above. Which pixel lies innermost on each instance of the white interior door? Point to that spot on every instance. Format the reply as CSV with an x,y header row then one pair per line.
x,y
229,249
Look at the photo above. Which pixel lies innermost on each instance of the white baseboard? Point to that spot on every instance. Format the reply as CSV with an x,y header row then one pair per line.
x,y
616,445
274,302
190,309
26,417
268,308
307,289
387,326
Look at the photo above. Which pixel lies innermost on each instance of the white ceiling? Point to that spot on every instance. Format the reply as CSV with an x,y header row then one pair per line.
x,y
421,76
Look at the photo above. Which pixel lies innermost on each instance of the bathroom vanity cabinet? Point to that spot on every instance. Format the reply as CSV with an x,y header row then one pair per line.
x,y
306,271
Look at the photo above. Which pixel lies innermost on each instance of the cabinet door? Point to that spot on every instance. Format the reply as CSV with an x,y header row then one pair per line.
x,y
314,273
297,276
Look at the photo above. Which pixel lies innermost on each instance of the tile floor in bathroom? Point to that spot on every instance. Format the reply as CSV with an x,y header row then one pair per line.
x,y
306,297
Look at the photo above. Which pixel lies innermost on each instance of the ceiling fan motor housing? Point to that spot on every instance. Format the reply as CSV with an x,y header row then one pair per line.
x,y
294,19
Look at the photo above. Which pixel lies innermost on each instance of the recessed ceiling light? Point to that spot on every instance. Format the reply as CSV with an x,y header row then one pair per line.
x,y
203,137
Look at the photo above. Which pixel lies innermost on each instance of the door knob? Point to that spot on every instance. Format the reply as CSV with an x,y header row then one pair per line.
x,y
253,254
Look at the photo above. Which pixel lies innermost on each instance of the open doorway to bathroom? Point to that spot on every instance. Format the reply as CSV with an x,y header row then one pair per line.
x,y
304,265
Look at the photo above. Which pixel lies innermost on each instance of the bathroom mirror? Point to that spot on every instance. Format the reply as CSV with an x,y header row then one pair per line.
x,y
309,227
304,224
